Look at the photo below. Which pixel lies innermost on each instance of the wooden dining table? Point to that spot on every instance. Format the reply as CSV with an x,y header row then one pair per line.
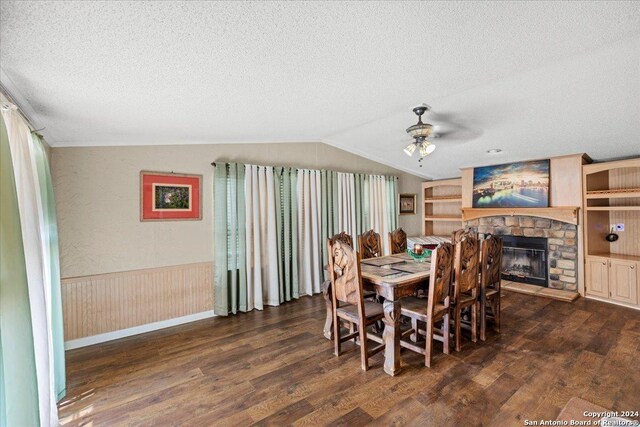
x,y
391,277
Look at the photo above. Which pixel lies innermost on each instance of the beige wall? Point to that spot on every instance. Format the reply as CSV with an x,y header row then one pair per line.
x,y
97,200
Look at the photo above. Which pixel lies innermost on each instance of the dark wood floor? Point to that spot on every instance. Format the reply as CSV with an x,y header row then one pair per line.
x,y
275,367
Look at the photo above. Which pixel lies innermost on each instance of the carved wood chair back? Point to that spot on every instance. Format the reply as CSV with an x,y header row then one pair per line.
x,y
441,275
458,235
343,237
491,262
370,245
398,241
344,272
466,266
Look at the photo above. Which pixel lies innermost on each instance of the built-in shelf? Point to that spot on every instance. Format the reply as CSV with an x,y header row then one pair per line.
x,y
613,193
444,199
613,208
441,204
443,218
567,214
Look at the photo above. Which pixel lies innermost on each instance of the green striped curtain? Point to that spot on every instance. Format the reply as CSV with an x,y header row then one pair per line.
x,y
286,180
391,186
18,384
329,209
230,270
50,222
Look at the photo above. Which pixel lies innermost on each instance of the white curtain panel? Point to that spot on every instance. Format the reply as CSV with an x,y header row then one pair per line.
x,y
347,204
261,238
378,206
35,237
309,231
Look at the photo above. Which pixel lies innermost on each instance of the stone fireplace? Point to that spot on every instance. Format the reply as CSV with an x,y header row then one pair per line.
x,y
561,246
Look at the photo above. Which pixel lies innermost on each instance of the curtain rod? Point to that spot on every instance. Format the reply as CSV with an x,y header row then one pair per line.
x,y
297,169
5,97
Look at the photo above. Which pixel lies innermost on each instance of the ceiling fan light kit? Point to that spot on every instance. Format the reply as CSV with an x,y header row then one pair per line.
x,y
420,132
409,149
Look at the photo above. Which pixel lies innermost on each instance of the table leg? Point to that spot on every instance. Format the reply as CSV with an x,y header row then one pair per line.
x,y
328,323
391,336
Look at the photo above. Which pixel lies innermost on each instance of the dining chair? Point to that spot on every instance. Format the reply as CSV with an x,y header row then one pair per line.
x,y
346,238
398,241
465,286
370,245
435,308
349,304
490,277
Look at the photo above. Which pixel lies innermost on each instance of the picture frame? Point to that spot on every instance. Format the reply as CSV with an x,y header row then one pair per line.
x,y
407,204
512,185
168,196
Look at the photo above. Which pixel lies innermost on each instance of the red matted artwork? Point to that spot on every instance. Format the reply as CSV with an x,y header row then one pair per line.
x,y
170,196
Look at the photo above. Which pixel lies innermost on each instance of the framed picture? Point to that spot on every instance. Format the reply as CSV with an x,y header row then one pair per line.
x,y
407,204
512,185
170,196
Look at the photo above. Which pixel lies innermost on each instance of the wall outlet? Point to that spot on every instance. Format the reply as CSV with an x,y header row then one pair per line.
x,y
619,227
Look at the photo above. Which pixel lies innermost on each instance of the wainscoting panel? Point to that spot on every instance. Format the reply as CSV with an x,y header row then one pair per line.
x,y
104,303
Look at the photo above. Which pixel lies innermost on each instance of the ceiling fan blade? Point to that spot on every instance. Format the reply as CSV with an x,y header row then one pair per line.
x,y
461,134
440,117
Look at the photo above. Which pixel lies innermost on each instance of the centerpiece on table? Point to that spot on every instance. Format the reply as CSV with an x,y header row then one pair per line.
x,y
418,253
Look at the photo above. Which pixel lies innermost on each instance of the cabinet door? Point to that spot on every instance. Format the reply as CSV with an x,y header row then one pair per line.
x,y
623,283
597,277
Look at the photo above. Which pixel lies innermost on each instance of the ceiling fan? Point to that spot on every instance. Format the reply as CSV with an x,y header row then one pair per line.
x,y
422,133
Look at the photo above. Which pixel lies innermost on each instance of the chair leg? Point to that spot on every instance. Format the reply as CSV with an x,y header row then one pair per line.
x,y
496,314
474,322
445,333
429,347
364,347
414,326
458,315
336,336
352,329
483,320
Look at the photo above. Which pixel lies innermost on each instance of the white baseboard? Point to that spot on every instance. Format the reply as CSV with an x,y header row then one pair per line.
x,y
634,307
110,336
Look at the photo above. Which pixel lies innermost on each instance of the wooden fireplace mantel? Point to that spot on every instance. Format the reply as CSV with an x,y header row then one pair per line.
x,y
568,214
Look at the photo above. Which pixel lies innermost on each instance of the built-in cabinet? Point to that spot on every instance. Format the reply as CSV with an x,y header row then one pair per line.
x,y
598,276
623,279
611,197
612,279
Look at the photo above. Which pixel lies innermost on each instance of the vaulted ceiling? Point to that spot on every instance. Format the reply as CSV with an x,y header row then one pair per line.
x,y
533,79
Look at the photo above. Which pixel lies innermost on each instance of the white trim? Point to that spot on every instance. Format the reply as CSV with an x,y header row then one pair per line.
x,y
109,336
621,304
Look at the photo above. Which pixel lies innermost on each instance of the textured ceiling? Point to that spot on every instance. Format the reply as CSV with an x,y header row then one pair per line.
x,y
534,79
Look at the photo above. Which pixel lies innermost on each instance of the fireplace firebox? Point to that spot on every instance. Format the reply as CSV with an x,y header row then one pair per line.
x,y
524,259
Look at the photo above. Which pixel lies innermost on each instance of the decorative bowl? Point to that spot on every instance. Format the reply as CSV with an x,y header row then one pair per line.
x,y
426,253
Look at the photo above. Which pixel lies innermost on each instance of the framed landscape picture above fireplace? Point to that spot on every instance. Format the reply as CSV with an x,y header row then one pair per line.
x,y
170,196
512,185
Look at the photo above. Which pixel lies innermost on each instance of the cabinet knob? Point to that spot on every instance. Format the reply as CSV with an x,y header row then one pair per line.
x,y
633,266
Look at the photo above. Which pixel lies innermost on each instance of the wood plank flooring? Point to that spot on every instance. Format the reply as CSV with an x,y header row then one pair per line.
x,y
274,367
